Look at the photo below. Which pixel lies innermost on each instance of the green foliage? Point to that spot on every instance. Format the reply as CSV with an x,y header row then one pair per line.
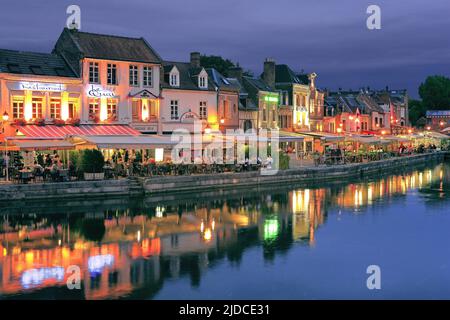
x,y
416,111
217,62
284,161
435,93
91,161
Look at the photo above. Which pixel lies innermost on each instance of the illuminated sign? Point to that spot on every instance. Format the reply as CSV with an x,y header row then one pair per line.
x,y
270,99
99,92
38,86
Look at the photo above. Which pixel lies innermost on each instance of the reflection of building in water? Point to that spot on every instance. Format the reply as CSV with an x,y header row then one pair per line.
x,y
362,194
308,210
36,252
131,252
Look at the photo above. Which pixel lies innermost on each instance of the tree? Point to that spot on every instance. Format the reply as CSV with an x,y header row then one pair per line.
x,y
217,62
435,93
416,111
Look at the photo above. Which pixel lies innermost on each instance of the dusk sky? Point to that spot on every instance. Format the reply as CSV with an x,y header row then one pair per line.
x,y
328,37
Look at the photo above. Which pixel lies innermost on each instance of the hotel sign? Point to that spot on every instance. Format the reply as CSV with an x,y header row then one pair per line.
x,y
39,86
94,91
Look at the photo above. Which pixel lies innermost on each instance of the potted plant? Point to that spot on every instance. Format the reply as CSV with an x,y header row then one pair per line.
x,y
39,122
73,122
20,122
91,163
59,122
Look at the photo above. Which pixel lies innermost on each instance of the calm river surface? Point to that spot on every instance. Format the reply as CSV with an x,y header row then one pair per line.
x,y
281,243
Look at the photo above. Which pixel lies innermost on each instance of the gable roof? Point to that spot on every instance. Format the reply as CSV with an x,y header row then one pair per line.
x,y
111,47
284,74
188,76
45,64
221,81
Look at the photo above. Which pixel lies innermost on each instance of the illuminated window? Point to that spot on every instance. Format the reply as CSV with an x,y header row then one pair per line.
x,y
147,77
94,109
135,109
174,109
111,108
36,104
203,110
264,114
93,72
112,74
18,109
73,109
134,81
159,154
55,108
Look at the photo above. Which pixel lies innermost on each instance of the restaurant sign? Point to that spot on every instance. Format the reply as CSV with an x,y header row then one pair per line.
x,y
189,117
39,86
95,91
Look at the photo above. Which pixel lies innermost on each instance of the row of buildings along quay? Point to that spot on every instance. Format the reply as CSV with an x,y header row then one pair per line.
x,y
99,89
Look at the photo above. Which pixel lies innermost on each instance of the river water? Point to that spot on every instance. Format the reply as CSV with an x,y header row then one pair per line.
x,y
284,242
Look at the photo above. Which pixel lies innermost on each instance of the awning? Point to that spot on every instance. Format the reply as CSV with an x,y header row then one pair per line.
x,y
285,136
47,144
54,132
395,139
126,142
436,135
326,137
367,140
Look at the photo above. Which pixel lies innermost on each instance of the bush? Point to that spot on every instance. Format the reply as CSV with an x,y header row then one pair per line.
x,y
91,161
284,161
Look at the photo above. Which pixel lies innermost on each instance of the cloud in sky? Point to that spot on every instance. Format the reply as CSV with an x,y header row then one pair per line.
x,y
327,36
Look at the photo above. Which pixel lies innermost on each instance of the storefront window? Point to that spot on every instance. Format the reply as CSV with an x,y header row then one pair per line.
x,y
112,109
55,108
18,109
72,109
37,108
94,109
135,110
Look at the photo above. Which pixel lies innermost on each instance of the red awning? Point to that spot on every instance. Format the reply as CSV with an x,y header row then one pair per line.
x,y
52,131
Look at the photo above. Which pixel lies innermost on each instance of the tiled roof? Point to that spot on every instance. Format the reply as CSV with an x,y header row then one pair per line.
x,y
44,64
112,47
284,74
221,81
188,76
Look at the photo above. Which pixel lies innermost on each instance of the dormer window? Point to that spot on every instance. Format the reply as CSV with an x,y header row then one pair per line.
x,y
203,80
174,78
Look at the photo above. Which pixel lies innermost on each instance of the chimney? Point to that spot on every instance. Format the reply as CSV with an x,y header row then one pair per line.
x,y
195,59
235,72
269,72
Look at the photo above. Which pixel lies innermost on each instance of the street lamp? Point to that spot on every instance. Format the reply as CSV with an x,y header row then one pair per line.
x,y
5,116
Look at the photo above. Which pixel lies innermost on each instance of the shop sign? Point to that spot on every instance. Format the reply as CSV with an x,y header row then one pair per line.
x,y
39,86
99,92
189,117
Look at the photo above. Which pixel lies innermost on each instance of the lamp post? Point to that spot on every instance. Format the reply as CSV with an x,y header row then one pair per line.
x,y
5,118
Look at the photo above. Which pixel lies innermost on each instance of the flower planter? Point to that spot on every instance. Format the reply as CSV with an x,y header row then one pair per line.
x,y
94,176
